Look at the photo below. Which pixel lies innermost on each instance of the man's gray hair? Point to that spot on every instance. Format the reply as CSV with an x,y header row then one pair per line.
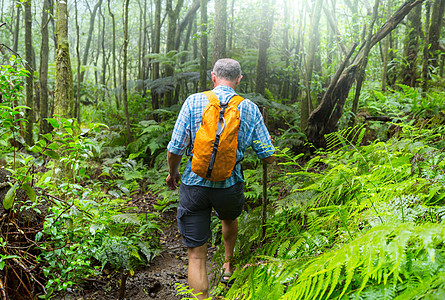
x,y
227,68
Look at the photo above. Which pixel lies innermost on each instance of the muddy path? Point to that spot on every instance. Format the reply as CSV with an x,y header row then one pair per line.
x,y
155,281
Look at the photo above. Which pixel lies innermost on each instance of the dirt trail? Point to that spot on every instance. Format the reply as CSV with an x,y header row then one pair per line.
x,y
157,280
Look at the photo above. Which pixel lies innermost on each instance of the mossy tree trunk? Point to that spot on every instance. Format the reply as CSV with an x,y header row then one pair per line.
x,y
43,71
437,14
29,113
220,30
63,94
411,47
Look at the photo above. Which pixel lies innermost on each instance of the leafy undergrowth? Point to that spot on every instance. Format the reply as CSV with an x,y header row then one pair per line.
x,y
358,221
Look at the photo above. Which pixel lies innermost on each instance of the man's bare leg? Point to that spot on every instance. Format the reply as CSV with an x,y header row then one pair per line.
x,y
230,233
197,273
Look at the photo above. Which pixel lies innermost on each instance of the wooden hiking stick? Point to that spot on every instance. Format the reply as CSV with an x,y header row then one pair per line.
x,y
265,200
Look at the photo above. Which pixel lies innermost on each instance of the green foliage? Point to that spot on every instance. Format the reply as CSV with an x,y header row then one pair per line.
x,y
360,221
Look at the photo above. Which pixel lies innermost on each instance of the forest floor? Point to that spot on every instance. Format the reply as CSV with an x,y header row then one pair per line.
x,y
156,280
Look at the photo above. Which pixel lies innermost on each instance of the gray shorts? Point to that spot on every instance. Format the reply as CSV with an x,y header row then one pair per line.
x,y
195,208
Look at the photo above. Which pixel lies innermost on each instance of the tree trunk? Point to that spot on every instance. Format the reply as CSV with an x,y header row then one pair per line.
x,y
63,94
232,17
361,71
173,15
386,53
188,19
43,72
306,101
435,30
219,34
15,44
286,52
113,50
53,24
263,45
426,56
77,109
124,68
29,113
411,48
90,36
156,49
324,118
203,54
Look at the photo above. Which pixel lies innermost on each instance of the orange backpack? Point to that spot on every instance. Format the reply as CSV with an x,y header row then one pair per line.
x,y
216,141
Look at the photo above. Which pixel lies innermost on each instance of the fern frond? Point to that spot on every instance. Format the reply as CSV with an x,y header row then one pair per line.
x,y
132,219
382,249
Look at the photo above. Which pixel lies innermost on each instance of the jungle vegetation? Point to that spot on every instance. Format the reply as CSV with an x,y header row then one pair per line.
x,y
353,90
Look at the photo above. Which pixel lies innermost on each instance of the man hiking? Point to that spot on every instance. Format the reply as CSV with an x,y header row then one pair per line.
x,y
199,194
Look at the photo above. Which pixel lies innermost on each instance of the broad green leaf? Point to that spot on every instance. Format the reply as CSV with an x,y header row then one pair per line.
x,y
53,122
8,201
29,192
53,146
52,154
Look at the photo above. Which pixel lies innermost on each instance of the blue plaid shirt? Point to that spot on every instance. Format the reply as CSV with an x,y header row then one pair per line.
x,y
252,133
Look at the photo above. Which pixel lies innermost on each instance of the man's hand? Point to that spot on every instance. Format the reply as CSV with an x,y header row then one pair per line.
x,y
173,177
172,180
268,160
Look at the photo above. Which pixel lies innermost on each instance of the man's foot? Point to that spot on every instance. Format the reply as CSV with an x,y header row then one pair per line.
x,y
225,279
227,273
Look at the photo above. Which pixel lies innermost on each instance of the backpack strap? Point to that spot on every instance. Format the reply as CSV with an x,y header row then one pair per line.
x,y
212,97
236,100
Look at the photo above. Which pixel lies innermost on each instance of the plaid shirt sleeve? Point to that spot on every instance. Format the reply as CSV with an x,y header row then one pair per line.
x,y
261,141
181,135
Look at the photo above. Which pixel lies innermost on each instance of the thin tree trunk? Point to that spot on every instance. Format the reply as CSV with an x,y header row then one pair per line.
x,y
43,73
188,19
156,49
263,45
306,102
426,56
232,17
364,64
114,56
173,15
104,56
140,33
77,110
15,44
386,53
286,52
219,35
124,68
90,35
29,113
203,54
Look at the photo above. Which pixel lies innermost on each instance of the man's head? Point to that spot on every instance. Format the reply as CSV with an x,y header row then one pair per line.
x,y
226,70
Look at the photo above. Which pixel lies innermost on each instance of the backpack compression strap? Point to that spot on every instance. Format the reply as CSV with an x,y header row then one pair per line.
x,y
236,100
